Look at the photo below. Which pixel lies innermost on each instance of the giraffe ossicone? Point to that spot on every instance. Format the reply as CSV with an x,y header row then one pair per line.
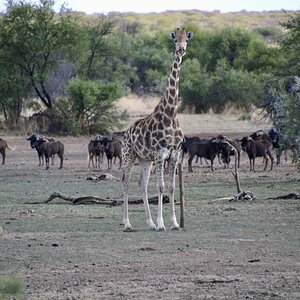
x,y
156,138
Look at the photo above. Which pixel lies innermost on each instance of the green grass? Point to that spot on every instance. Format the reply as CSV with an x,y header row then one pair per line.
x,y
10,286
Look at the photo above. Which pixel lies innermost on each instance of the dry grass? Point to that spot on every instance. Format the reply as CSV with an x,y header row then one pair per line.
x,y
202,124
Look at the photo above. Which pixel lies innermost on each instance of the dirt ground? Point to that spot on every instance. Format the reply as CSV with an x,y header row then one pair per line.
x,y
228,250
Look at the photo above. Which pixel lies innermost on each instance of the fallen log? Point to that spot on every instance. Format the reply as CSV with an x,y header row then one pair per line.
x,y
105,176
98,200
288,196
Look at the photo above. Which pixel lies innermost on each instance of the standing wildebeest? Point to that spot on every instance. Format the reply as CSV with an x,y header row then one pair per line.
x,y
296,150
3,146
96,149
187,142
227,151
207,149
283,143
34,139
113,149
51,148
280,142
255,149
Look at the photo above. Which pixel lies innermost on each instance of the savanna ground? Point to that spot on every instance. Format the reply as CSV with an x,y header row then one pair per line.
x,y
228,250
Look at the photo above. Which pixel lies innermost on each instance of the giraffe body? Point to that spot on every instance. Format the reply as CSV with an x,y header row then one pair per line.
x,y
156,138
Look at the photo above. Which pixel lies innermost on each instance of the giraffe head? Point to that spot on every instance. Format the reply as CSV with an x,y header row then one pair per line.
x,y
181,38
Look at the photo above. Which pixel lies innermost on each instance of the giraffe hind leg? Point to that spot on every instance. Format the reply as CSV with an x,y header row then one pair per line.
x,y
127,168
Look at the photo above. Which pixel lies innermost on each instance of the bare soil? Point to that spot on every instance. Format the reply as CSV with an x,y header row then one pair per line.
x,y
228,250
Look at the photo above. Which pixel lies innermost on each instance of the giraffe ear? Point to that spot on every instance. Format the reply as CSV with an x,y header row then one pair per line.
x,y
189,35
172,36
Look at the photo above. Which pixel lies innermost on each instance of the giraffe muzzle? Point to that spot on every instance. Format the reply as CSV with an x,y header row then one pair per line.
x,y
181,50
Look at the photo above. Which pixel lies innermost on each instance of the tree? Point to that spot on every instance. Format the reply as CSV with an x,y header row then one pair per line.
x,y
290,46
98,46
93,105
14,87
36,41
282,99
233,48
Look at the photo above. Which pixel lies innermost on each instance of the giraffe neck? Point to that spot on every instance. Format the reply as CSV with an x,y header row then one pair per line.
x,y
169,103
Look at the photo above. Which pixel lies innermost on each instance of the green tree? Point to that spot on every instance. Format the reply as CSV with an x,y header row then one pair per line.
x,y
93,106
14,87
194,86
36,40
233,48
291,47
151,61
98,47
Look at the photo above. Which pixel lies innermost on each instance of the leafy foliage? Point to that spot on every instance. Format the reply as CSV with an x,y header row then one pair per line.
x,y
10,286
33,39
78,65
203,90
282,99
92,105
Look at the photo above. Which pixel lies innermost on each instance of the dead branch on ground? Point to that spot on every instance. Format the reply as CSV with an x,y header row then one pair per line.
x,y
98,200
288,196
241,195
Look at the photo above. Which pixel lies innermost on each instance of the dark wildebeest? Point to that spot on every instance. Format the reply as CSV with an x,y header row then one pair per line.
x,y
207,149
255,149
3,147
280,142
51,148
227,151
34,139
296,150
187,142
113,149
95,149
283,143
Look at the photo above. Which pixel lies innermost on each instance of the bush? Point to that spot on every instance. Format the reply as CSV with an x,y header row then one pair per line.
x,y
91,106
10,286
202,91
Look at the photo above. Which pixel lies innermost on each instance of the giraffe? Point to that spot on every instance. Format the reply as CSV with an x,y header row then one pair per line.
x,y
155,138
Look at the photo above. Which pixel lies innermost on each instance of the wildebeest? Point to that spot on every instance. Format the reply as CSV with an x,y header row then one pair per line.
x,y
207,149
3,147
296,150
34,139
283,143
96,149
187,142
49,149
255,149
227,151
113,149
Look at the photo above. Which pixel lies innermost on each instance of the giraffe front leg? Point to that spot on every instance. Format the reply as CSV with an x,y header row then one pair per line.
x,y
160,187
146,169
172,172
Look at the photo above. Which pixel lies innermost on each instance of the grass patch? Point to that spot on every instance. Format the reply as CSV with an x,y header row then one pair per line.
x,y
10,286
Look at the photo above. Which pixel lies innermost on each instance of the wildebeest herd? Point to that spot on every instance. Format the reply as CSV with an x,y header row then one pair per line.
x,y
258,144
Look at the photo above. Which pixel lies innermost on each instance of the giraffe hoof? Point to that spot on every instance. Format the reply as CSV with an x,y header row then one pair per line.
x,y
160,228
151,225
128,229
175,227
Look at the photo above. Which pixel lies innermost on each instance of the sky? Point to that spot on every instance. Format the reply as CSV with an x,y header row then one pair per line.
x,y
146,6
